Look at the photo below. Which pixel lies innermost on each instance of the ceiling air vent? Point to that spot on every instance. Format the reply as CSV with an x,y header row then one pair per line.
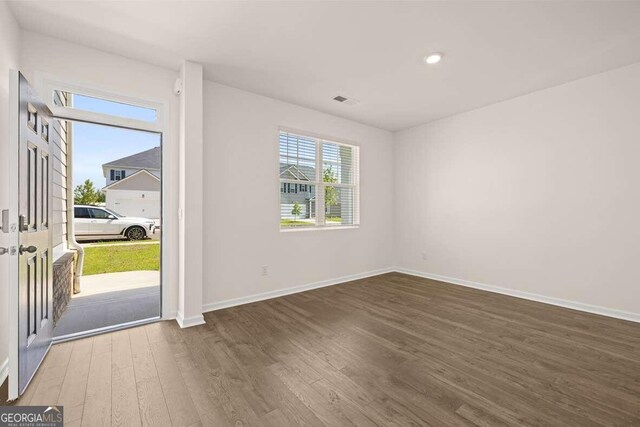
x,y
347,101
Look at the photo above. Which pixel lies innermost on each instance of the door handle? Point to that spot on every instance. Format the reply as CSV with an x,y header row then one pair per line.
x,y
30,249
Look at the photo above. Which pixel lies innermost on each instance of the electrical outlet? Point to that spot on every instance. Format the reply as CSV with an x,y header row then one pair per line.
x,y
265,270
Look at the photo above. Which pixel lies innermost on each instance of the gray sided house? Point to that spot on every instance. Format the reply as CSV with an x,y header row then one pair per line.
x,y
302,193
148,160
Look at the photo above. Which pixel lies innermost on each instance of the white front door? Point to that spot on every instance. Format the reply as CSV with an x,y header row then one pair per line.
x,y
36,133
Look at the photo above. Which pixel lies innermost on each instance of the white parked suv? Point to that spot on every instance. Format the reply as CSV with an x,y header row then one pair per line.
x,y
94,222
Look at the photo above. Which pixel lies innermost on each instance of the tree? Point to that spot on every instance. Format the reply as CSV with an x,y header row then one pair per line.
x,y
330,193
87,194
296,211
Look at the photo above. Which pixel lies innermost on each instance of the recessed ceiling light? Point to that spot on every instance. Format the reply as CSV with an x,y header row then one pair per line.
x,y
433,58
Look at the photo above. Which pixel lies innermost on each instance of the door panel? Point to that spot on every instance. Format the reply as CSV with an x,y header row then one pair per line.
x,y
32,287
44,191
32,176
35,268
44,288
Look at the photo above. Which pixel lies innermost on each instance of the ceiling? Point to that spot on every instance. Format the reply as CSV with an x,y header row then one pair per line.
x,y
308,52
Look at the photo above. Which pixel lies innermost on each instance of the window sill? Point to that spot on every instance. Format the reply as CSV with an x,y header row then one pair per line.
x,y
325,228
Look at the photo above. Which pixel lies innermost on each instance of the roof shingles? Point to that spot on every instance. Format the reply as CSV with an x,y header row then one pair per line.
x,y
149,159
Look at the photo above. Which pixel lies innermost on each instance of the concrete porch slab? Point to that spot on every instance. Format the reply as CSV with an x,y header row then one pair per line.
x,y
111,299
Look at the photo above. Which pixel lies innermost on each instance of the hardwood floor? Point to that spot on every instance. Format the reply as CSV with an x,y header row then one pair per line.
x,y
388,350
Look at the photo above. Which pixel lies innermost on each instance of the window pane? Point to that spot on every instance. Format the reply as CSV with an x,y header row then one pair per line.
x,y
104,106
297,208
338,163
99,214
81,213
339,206
297,157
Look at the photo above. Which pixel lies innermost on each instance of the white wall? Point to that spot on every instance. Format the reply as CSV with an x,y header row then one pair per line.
x,y
539,194
190,251
9,55
241,200
82,65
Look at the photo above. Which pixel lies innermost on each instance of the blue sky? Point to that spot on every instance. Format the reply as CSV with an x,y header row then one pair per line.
x,y
94,145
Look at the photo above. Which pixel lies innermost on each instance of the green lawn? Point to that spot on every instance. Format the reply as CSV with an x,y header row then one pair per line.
x,y
112,259
293,222
114,242
297,223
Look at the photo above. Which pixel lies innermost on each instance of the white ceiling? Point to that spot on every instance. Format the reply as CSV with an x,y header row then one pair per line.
x,y
308,52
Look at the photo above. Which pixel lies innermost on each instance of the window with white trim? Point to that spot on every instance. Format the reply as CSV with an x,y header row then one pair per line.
x,y
319,182
117,175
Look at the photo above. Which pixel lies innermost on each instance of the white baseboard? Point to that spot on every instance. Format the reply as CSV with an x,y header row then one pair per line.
x,y
170,315
293,290
4,370
603,311
190,321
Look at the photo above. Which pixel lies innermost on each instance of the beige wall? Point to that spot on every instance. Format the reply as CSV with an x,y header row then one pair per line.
x,y
9,53
241,200
538,194
140,181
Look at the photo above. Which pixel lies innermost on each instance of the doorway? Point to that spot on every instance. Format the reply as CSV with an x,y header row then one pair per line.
x,y
48,288
115,224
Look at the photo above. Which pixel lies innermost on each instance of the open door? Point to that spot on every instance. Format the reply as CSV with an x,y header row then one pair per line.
x,y
35,133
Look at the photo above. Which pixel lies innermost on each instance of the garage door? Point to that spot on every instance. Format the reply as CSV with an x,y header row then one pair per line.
x,y
137,207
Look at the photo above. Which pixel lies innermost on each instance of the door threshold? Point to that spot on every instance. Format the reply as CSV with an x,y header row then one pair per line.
x,y
104,330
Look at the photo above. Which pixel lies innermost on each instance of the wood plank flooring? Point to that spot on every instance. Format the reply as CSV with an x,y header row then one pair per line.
x,y
388,350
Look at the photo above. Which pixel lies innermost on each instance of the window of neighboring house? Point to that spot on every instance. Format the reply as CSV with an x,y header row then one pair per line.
x,y
81,213
117,175
326,175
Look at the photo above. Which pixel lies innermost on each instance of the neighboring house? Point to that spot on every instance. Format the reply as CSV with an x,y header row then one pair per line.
x,y
303,194
148,160
133,184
